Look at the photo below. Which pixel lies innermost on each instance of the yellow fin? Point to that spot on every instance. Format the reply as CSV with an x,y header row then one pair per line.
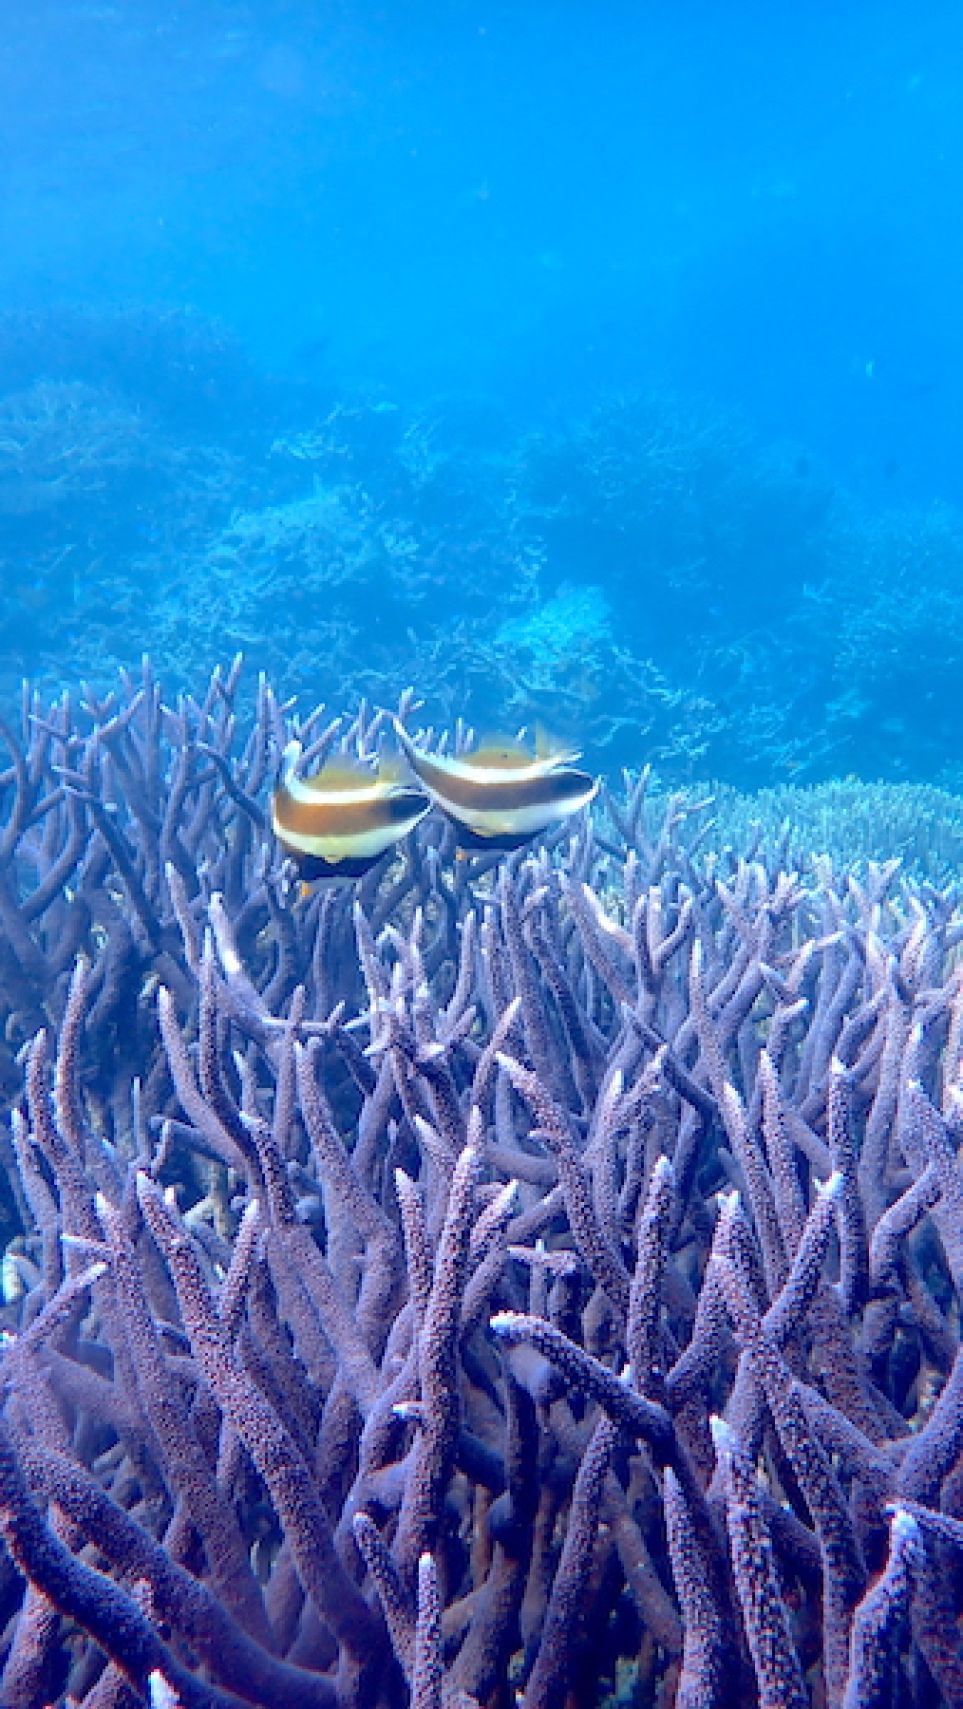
x,y
503,752
394,772
549,747
341,773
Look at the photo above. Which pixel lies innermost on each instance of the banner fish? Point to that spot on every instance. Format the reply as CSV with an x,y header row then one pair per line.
x,y
499,795
337,823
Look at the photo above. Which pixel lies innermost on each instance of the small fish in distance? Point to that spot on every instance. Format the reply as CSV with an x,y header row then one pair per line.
x,y
500,795
339,822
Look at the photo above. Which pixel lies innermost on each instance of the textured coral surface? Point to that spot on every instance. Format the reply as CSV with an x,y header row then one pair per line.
x,y
529,1277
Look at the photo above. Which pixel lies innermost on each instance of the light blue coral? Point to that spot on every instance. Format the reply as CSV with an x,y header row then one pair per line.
x,y
571,627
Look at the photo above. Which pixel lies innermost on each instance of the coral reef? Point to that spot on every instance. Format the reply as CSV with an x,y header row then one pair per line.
x,y
538,1276
847,822
182,367
759,624
62,441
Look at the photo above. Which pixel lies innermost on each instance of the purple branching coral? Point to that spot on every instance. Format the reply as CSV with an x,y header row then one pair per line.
x,y
490,1282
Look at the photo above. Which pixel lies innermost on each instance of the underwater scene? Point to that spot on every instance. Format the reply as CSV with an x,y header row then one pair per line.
x,y
481,854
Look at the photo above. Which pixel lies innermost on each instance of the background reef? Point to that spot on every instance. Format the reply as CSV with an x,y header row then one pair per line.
x,y
647,576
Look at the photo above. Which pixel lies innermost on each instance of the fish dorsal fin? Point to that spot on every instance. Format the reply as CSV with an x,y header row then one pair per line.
x,y
340,775
393,773
548,747
498,753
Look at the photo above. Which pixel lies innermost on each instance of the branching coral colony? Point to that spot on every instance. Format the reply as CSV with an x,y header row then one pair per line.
x,y
526,1278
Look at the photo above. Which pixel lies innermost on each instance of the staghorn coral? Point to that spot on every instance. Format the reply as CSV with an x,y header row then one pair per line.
x,y
845,823
61,441
559,1288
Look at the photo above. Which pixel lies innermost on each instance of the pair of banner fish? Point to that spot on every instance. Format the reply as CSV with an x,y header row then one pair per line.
x,y
338,823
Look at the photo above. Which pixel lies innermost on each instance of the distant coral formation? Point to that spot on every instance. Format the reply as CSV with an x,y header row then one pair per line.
x,y
845,823
758,623
534,1279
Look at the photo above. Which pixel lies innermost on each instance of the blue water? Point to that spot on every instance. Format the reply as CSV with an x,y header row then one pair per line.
x,y
603,365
